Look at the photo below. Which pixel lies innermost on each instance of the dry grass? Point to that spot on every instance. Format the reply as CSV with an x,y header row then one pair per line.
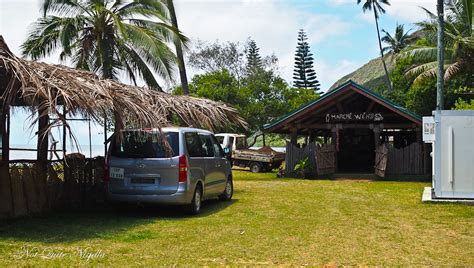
x,y
270,222
46,87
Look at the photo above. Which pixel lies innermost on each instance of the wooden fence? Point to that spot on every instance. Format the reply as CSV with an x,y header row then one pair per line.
x,y
74,185
409,160
294,154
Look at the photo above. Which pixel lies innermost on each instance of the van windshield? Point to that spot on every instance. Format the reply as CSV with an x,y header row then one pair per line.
x,y
141,144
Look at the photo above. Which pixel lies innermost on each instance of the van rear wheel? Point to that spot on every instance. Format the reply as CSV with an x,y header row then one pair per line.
x,y
195,207
228,191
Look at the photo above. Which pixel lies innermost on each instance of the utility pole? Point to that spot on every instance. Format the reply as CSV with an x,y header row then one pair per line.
x,y
440,76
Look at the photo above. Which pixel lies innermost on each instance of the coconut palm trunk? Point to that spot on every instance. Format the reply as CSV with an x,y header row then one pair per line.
x,y
387,76
179,50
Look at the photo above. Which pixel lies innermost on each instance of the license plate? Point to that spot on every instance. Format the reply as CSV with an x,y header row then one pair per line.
x,y
116,173
143,180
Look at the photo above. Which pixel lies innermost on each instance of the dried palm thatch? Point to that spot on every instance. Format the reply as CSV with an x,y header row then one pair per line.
x,y
47,87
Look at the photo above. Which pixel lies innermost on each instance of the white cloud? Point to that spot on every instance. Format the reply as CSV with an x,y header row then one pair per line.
x,y
410,10
407,10
272,24
342,2
329,74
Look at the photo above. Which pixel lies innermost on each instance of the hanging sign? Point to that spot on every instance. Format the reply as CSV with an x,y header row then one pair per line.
x,y
337,117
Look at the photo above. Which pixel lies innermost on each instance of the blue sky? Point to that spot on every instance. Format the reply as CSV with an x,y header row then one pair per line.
x,y
342,38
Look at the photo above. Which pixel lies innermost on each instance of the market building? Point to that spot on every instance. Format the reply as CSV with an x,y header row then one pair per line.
x,y
352,129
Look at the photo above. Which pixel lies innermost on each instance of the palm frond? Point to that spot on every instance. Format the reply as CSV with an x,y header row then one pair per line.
x,y
48,33
453,70
421,54
146,8
135,64
153,50
416,71
61,7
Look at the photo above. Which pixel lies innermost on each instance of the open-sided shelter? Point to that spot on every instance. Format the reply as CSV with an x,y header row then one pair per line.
x,y
365,133
54,92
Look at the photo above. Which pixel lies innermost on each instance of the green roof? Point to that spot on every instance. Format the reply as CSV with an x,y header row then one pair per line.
x,y
332,92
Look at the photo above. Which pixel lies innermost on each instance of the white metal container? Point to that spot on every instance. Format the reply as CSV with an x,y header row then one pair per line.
x,y
453,151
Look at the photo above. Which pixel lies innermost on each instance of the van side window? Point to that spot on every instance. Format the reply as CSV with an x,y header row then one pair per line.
x,y
207,147
194,144
218,152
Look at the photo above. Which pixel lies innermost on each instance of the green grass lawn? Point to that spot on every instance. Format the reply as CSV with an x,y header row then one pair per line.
x,y
270,221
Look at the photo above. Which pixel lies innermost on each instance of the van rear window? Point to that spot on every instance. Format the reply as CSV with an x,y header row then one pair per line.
x,y
141,144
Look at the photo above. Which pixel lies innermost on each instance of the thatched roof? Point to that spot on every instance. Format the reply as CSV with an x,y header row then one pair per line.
x,y
39,85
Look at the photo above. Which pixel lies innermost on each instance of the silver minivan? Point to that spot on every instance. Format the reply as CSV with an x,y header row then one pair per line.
x,y
189,167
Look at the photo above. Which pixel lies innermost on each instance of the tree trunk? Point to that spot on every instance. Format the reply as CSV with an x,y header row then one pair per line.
x,y
387,76
179,50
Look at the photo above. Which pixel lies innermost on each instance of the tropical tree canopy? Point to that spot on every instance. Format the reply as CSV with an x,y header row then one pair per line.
x,y
459,44
397,42
107,37
374,5
216,57
254,60
304,73
258,94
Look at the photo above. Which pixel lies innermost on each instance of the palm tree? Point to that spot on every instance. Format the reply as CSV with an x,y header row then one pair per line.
x,y
179,49
396,43
458,45
376,7
107,37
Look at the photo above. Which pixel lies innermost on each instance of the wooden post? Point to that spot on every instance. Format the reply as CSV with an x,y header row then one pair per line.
x,y
312,136
105,134
263,137
294,136
64,132
42,155
376,136
334,136
90,138
6,204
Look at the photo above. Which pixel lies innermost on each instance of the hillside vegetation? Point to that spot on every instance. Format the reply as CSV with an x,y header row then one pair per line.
x,y
370,75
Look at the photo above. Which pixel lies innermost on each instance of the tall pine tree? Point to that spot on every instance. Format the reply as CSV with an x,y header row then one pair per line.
x,y
304,73
254,60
